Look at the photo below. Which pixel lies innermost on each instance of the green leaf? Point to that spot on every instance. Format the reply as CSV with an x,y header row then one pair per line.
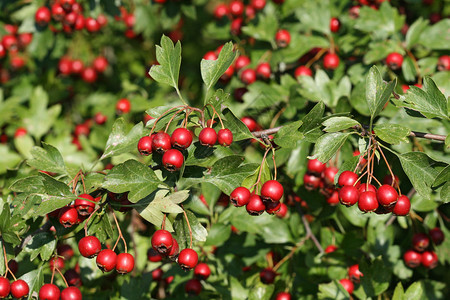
x,y
47,159
43,244
5,218
57,194
262,95
169,59
119,142
133,177
8,158
377,92
315,15
35,280
151,211
419,168
335,124
392,133
380,23
443,177
238,128
398,292
313,119
199,233
100,225
429,101
238,292
288,135
328,144
414,291
436,37
265,28
408,70
24,144
414,32
376,277
218,235
332,290
212,69
31,184
261,291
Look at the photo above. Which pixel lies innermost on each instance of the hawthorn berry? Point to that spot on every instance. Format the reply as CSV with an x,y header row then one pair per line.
x,y
106,260
364,187
57,12
255,205
444,63
187,259
272,207
49,291
367,201
14,266
241,62
225,137
79,22
429,259
330,61
221,11
388,180
283,296
73,278
236,8
175,250
263,71
387,195
92,25
68,216
347,178
354,273
402,206
21,131
153,256
5,287
56,263
282,38
272,190
348,285
19,289
181,138
193,287
302,71
248,76
420,242
157,274
258,4
329,174
202,271
161,142
210,55
125,263
123,106
267,276
77,66
250,123
172,160
333,199
412,258
162,241
314,166
334,24
437,235
100,64
145,145
330,248
89,246
84,204
348,195
394,60
240,196
311,182
236,26
282,212
71,293
207,137
42,16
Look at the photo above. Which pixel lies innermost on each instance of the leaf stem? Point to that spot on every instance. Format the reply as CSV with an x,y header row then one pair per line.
x,y
120,232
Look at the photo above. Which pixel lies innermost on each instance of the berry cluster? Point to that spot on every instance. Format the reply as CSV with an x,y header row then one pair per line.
x,y
194,286
89,74
18,288
355,277
421,242
76,213
319,176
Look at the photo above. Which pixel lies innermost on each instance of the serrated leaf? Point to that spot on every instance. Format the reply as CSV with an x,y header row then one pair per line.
x,y
419,168
8,158
313,119
414,32
335,124
119,142
133,177
5,218
265,28
261,291
429,100
398,292
315,15
199,233
261,95
149,209
212,70
288,135
436,37
414,291
31,184
168,56
443,177
47,159
35,280
238,128
100,225
392,133
377,93
24,144
57,194
332,290
42,244
328,144
376,277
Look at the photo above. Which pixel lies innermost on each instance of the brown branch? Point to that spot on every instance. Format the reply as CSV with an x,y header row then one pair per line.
x,y
309,232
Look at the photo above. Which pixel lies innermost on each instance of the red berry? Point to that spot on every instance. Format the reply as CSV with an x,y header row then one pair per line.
x,y
56,263
221,11
282,38
58,12
207,137
364,187
420,242
73,277
10,42
402,206
248,76
225,137
210,55
71,293
100,118
282,212
187,259
255,206
81,129
258,4
84,204
14,266
334,198
49,291
157,274
162,241
394,60
161,142
354,273
388,180
330,61
387,195
67,4
102,20
335,24
89,246
123,106
202,271
145,145
347,178
329,174
263,71
25,39
42,16
437,235
92,25
367,201
348,285
193,287
240,196
228,73
175,250
444,63
125,263
303,71
5,287
106,260
70,19
19,289
429,259
172,160
181,138
79,22
272,190
250,123
267,276
100,64
354,11
241,62
412,258
153,256
77,66
272,207
236,8
311,182
362,160
20,132
331,248
283,296
68,216
349,195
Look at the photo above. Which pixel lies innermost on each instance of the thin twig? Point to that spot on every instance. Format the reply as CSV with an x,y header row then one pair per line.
x,y
291,253
189,226
309,232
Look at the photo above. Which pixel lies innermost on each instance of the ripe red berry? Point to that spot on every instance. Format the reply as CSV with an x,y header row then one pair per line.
x,y
57,12
394,60
329,174
162,241
354,11
71,293
402,206
335,24
437,235
241,62
181,138
123,106
282,38
187,259
240,196
221,11
225,137
157,274
258,4
333,199
172,160
5,287
420,242
263,71
84,204
311,182
100,64
331,248
248,76
354,273
193,287
56,263
388,180
153,256
367,201
161,142
267,276
79,22
49,291
202,271
330,61
207,137
250,123
412,258
19,289
387,195
125,263
236,8
444,63
42,16
73,278
68,216
20,132
89,246
347,178
10,42
255,206
145,145
272,190
282,212
303,71
77,66
175,250
349,195
89,75
106,260
364,187
272,207
283,296
210,55
429,259
348,285
14,266
92,25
